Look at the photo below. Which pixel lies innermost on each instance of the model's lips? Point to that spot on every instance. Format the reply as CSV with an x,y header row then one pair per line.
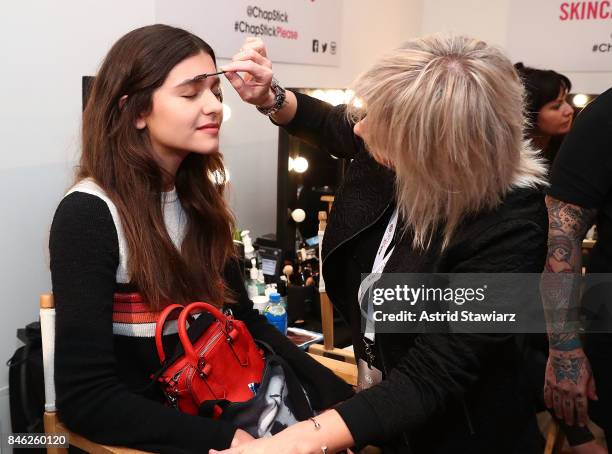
x,y
211,128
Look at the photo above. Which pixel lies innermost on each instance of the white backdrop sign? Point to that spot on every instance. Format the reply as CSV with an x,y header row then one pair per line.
x,y
561,35
295,31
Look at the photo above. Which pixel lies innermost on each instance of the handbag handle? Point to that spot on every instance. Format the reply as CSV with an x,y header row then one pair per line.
x,y
190,352
159,329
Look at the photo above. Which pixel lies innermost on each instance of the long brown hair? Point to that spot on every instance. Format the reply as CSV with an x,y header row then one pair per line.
x,y
119,158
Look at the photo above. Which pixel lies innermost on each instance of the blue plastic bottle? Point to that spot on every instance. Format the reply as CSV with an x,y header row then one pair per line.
x,y
276,313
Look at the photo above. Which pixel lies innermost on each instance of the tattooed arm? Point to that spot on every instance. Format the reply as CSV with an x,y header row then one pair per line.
x,y
568,381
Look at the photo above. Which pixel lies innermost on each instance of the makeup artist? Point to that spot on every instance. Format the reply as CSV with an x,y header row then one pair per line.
x,y
439,161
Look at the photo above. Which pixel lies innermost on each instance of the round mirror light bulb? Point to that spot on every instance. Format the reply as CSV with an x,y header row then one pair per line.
x,y
298,215
300,164
580,100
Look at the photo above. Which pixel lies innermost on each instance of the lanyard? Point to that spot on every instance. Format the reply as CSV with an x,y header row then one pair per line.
x,y
380,261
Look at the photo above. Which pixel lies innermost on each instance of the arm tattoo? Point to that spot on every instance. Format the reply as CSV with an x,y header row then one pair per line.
x,y
567,368
567,226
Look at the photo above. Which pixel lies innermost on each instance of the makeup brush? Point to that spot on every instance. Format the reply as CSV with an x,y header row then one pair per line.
x,y
205,75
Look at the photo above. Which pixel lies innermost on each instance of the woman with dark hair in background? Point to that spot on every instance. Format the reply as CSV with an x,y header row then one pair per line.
x,y
147,215
549,114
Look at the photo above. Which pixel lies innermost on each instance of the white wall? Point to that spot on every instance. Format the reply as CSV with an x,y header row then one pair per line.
x,y
488,20
45,50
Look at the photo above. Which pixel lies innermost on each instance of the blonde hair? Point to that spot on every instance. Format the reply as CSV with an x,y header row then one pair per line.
x,y
447,113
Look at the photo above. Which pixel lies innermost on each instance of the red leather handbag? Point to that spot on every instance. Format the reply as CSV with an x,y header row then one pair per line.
x,y
224,363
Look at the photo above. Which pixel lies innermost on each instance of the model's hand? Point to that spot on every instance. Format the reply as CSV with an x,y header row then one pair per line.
x,y
241,437
302,438
254,84
569,383
276,444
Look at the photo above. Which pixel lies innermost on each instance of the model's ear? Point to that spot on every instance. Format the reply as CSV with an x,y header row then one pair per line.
x,y
140,123
122,101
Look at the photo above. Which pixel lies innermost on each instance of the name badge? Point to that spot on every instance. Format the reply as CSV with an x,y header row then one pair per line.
x,y
366,377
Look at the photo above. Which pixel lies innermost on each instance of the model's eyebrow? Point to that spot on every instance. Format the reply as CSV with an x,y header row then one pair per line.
x,y
200,77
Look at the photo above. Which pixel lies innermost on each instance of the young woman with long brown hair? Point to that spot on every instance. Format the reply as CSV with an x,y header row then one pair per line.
x,y
147,215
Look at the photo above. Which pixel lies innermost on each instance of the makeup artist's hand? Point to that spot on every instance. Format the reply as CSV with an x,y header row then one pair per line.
x,y
252,61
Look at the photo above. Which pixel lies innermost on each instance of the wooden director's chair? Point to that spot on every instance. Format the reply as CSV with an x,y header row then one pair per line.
x,y
52,423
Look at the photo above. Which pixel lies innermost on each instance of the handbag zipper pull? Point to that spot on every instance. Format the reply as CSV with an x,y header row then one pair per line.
x,y
229,342
173,381
172,397
204,368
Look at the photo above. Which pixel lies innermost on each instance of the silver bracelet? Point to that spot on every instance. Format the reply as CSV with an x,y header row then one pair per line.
x,y
316,424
